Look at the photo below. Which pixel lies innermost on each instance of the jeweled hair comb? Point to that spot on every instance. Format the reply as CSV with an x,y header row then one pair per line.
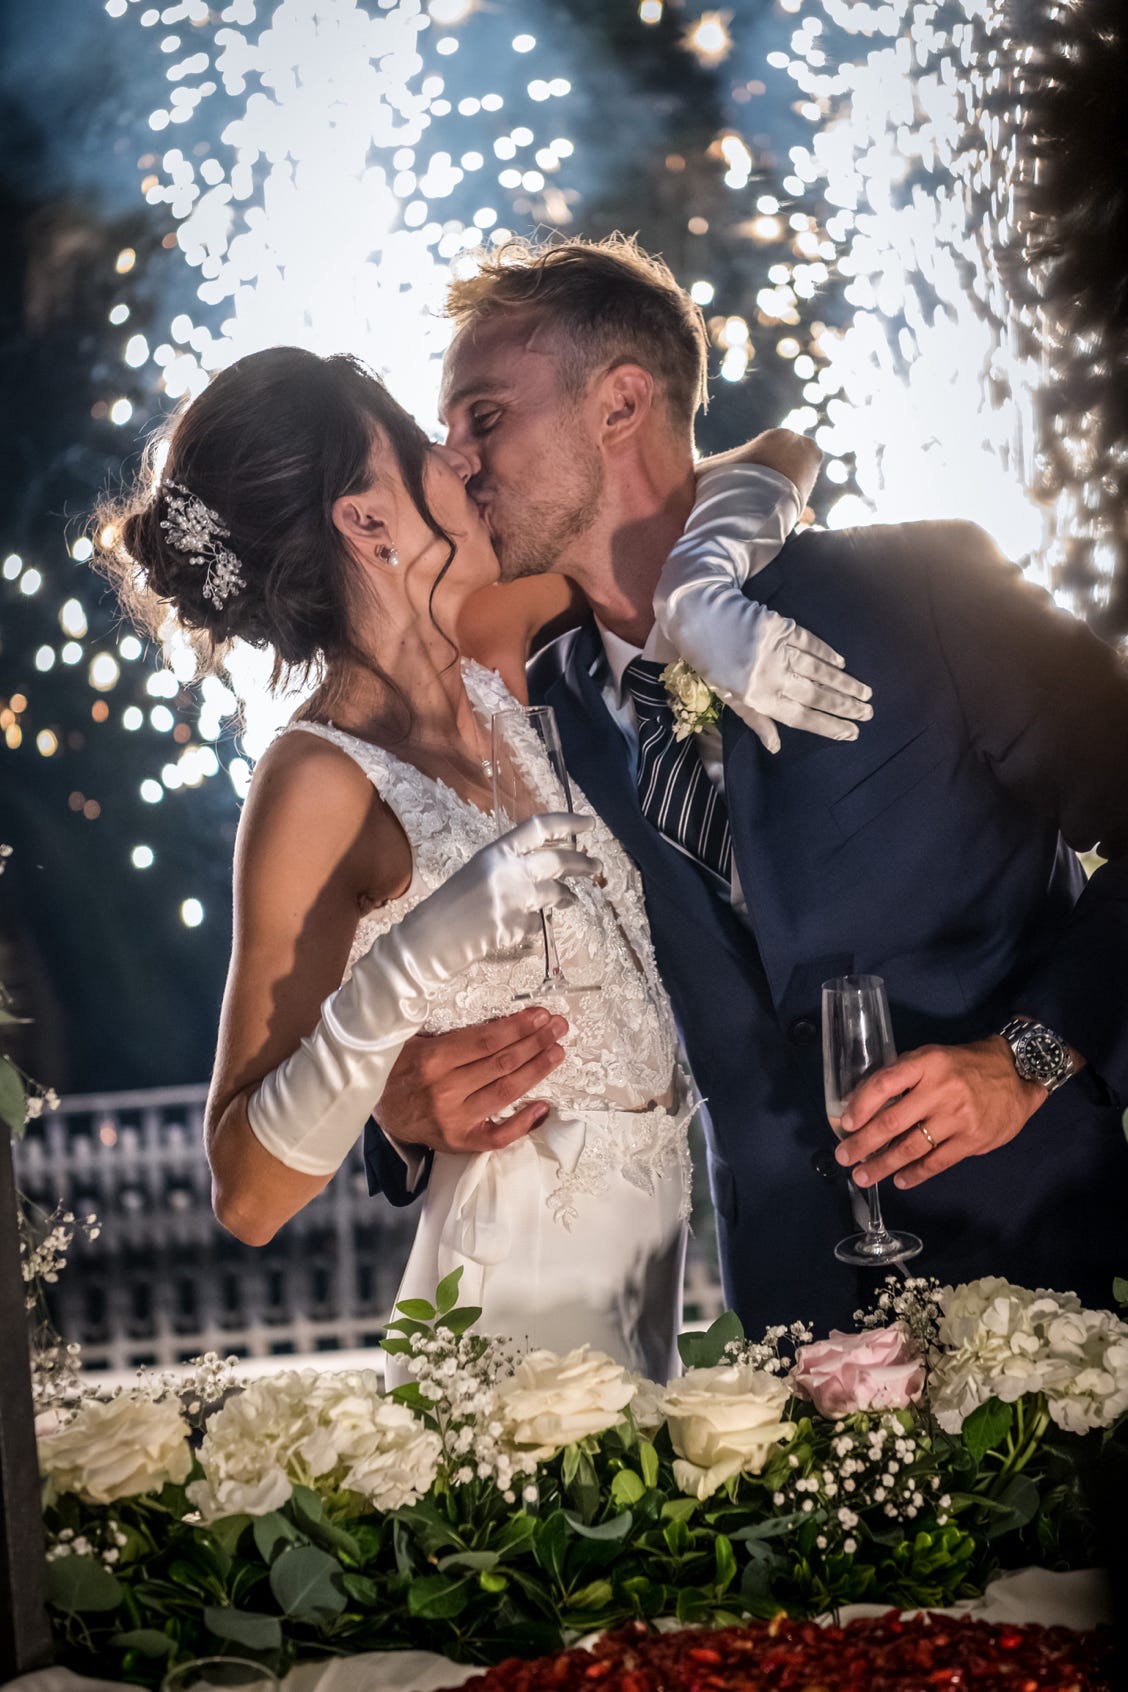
x,y
198,532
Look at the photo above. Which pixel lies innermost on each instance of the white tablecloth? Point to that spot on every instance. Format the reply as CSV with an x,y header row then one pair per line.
x,y
1080,1600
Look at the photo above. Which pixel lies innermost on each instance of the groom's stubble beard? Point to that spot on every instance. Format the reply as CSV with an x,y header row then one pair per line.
x,y
531,534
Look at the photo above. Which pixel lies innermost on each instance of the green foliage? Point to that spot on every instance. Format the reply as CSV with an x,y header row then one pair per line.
x,y
609,1538
13,1097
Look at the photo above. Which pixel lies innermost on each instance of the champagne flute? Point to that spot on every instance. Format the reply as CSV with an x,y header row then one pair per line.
x,y
857,1035
529,778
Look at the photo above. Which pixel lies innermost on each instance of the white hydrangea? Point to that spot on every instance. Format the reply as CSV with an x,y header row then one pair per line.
x,y
333,1432
1004,1341
115,1448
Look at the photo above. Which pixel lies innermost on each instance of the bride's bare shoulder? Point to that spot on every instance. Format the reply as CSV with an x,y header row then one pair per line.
x,y
311,805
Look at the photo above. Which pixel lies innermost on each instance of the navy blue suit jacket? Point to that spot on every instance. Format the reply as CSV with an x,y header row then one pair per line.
x,y
938,851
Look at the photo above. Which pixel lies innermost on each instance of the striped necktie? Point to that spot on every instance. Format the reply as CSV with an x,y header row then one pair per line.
x,y
674,791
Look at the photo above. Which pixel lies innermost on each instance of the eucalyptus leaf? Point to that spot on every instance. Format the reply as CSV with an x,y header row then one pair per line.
x,y
80,1584
229,1530
987,1425
1120,1290
772,1528
243,1627
309,1513
306,1582
13,1099
148,1641
617,1528
272,1534
306,1505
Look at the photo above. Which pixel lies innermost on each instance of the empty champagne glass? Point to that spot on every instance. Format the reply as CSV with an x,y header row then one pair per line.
x,y
857,1034
529,779
204,1674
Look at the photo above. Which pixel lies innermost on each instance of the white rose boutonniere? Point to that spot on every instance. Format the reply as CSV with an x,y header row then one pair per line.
x,y
693,702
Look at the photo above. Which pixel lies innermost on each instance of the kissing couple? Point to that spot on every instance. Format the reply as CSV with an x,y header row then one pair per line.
x,y
746,824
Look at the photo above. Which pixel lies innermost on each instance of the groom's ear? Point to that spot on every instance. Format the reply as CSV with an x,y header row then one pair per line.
x,y
625,397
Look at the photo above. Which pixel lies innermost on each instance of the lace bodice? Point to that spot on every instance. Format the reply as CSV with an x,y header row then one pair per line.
x,y
621,1049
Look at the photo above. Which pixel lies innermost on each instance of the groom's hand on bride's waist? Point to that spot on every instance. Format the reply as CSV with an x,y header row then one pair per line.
x,y
932,1108
446,1089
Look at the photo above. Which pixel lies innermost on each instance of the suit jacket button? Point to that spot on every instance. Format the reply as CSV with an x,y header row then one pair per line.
x,y
803,1031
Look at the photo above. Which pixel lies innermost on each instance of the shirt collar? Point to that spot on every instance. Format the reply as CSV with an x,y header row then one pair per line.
x,y
619,653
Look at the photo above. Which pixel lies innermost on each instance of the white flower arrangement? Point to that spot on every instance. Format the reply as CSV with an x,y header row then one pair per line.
x,y
1002,1341
336,1433
109,1449
694,704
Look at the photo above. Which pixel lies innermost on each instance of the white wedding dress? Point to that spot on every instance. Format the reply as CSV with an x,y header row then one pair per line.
x,y
576,1232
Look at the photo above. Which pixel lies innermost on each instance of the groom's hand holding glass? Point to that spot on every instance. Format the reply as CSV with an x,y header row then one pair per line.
x,y
934,1107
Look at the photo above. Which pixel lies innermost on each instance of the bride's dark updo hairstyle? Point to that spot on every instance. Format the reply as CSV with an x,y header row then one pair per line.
x,y
269,445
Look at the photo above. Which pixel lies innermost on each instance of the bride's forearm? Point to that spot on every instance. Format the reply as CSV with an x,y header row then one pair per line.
x,y
791,455
253,1194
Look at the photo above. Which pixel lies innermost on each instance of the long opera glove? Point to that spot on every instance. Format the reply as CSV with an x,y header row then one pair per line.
x,y
763,666
310,1109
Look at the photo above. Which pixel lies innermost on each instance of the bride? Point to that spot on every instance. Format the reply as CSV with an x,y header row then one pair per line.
x,y
300,508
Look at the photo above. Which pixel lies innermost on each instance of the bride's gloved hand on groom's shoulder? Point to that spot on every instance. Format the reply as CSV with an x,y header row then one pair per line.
x,y
308,1111
763,666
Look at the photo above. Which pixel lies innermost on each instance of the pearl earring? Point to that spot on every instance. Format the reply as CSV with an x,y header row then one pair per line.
x,y
388,555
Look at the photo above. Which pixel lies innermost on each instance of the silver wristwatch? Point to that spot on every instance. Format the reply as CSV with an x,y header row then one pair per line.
x,y
1039,1054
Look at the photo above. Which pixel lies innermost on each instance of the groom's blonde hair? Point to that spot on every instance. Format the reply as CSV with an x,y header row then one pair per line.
x,y
604,303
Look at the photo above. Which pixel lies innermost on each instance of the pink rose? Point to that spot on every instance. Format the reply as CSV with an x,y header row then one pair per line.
x,y
874,1370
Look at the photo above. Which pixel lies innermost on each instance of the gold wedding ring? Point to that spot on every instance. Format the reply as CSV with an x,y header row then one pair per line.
x,y
926,1134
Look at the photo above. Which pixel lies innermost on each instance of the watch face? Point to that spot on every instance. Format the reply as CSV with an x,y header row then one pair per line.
x,y
1039,1056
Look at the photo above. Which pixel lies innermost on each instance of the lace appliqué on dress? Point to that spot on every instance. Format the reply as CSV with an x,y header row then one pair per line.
x,y
620,1075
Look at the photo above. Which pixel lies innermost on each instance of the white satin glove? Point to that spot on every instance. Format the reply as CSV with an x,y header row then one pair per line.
x,y
309,1111
763,666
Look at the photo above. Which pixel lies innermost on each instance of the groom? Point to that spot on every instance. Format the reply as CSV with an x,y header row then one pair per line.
x,y
937,850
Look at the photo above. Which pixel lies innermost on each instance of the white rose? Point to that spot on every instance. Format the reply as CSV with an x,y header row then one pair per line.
x,y
552,1401
117,1448
723,1422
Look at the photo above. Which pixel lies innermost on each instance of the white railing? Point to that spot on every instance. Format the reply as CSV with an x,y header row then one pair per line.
x,y
163,1282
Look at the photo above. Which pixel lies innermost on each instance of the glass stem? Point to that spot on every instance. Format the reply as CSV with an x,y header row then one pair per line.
x,y
552,969
875,1227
